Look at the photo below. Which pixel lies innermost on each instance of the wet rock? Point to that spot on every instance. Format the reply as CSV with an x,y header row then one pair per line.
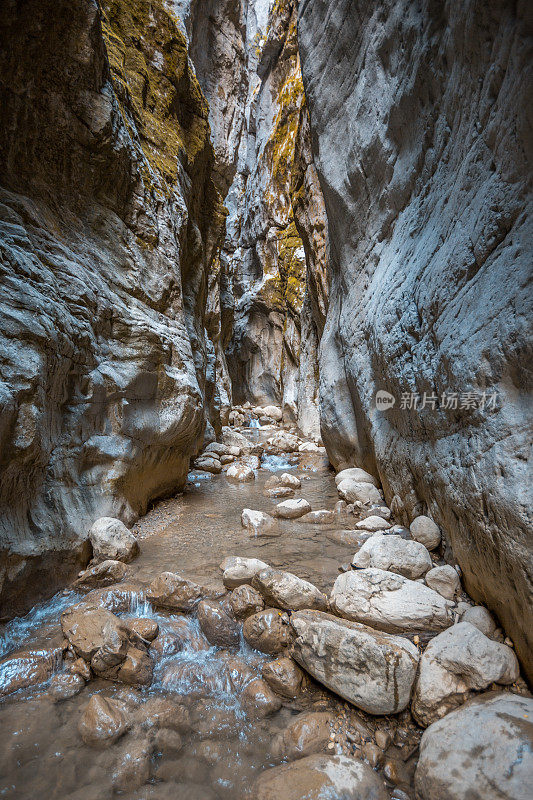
x,y
373,754
240,473
259,699
174,635
396,771
82,668
317,777
66,685
238,571
320,517
211,465
239,671
273,482
168,741
27,668
390,602
161,712
257,523
375,671
217,626
132,769
284,677
92,630
481,619
408,558
292,509
480,750
112,540
103,721
244,601
103,574
355,491
307,734
212,752
373,523
267,631
119,598
444,580
424,530
456,662
280,491
211,721
136,669
287,591
176,593
287,479
147,629
357,475
383,739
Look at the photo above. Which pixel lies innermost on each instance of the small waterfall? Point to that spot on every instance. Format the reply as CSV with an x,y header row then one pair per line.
x,y
254,423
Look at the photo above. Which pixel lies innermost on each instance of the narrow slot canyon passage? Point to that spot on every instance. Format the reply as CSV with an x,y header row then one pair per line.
x,y
265,400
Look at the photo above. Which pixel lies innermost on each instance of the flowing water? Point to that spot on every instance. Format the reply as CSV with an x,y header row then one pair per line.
x,y
223,745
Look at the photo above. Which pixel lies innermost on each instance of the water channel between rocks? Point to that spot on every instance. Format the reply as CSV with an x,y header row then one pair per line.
x,y
222,747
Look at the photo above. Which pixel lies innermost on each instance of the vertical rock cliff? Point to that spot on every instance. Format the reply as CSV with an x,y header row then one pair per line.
x,y
110,222
422,138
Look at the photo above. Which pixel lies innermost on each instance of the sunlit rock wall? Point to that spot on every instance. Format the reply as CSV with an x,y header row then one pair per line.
x,y
109,224
422,138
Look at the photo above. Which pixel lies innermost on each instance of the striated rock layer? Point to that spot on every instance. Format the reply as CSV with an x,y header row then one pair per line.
x,y
422,143
109,222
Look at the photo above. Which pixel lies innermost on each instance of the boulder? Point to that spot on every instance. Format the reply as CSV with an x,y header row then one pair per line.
x,y
309,733
292,509
357,475
217,626
284,677
245,601
357,491
235,439
390,602
286,479
111,539
177,634
373,670
310,447
136,670
389,552
482,750
273,481
132,768
92,630
147,629
65,685
373,523
103,721
257,523
424,530
172,591
205,464
481,618
455,663
218,448
240,473
259,699
238,571
27,668
380,511
267,631
103,574
318,777
285,590
444,580
273,412
284,442
320,517
280,491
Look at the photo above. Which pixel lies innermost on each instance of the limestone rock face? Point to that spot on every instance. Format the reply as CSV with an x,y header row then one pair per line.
x,y
390,602
375,671
483,749
422,146
109,221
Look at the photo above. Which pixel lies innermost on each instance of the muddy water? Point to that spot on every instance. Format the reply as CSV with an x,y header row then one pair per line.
x,y
223,744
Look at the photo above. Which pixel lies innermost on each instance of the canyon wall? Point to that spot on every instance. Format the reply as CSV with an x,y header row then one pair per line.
x,y
110,223
422,138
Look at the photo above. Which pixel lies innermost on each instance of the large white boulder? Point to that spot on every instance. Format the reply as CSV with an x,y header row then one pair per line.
x,y
444,580
389,552
257,523
373,523
240,473
390,602
273,412
356,474
424,530
373,670
112,540
456,662
285,590
354,491
238,571
482,750
292,509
